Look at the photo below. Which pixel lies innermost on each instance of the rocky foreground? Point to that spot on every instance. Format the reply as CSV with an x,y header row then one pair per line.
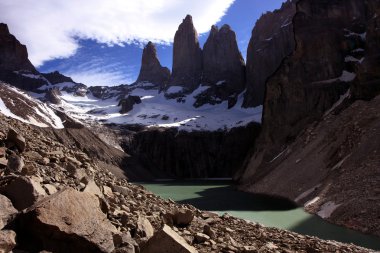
x,y
54,198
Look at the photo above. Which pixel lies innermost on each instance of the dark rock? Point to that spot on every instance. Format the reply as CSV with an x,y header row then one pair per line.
x,y
56,77
223,65
151,70
197,154
183,217
128,103
272,40
52,96
187,57
306,85
14,139
15,163
68,221
13,55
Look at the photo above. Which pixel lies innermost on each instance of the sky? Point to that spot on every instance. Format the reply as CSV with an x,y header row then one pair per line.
x,y
99,42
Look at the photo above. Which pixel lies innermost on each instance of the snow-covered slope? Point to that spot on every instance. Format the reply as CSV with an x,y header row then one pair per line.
x,y
16,104
155,110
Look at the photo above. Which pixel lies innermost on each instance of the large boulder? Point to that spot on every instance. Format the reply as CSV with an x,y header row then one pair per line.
x,y
7,211
53,96
151,70
167,240
187,57
14,139
22,191
68,221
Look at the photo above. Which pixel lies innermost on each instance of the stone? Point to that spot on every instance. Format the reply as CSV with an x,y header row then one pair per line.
x,y
250,249
7,211
165,241
29,170
201,238
15,163
7,241
151,70
183,217
144,228
93,188
50,189
209,231
73,218
187,57
121,189
53,96
15,139
23,192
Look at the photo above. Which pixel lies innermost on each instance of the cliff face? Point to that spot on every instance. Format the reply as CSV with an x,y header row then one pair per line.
x,y
151,70
198,154
315,138
223,66
13,55
272,40
187,56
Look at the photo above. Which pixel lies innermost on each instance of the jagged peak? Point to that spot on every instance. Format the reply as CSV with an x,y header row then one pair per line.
x,y
225,28
4,28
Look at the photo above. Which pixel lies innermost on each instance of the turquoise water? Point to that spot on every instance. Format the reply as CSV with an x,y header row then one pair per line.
x,y
220,197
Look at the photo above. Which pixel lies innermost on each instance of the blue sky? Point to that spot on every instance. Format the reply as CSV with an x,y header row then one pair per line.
x,y
104,47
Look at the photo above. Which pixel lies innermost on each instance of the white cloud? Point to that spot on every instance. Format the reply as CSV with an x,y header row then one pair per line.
x,y
49,28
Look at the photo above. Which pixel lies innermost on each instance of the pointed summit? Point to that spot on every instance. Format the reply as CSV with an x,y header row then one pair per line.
x,y
13,54
151,69
187,56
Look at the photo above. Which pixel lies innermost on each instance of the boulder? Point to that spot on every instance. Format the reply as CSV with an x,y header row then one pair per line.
x,y
144,228
151,70
7,211
52,96
187,57
23,191
7,241
68,221
14,139
93,188
166,240
15,163
183,217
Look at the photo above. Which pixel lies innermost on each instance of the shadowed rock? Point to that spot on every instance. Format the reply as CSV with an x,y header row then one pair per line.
x,y
187,56
151,70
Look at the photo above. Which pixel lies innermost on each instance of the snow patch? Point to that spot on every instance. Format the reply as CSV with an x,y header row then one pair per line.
x,y
327,209
174,90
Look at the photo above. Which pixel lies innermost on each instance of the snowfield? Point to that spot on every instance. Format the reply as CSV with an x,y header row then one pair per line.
x,y
158,111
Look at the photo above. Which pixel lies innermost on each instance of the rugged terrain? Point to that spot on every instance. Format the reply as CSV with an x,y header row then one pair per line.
x,y
70,203
320,134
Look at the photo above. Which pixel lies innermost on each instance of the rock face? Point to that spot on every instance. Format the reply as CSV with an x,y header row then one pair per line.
x,y
223,65
151,70
272,40
60,223
56,77
128,103
191,154
13,55
53,96
187,57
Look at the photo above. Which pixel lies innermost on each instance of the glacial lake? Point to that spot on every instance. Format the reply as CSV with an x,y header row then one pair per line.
x,y
221,197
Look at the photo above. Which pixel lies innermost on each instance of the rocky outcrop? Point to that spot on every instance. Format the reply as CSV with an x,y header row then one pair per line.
x,y
151,70
13,54
223,66
272,40
127,104
187,57
53,96
197,154
56,77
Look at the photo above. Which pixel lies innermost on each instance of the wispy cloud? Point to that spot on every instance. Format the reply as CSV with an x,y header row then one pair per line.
x,y
50,29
